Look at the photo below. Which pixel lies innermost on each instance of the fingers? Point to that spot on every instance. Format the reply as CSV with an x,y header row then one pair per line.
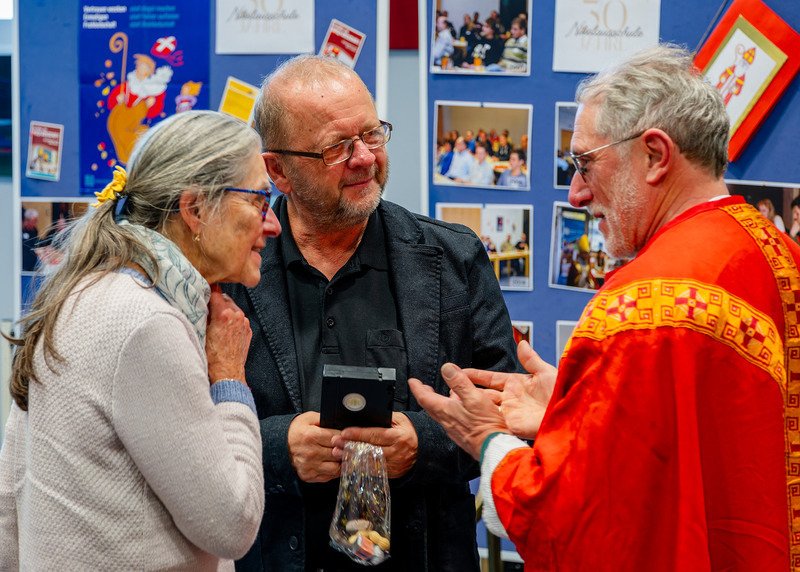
x,y
529,359
457,380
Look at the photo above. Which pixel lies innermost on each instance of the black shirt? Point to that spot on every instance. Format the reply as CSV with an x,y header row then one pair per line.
x,y
349,320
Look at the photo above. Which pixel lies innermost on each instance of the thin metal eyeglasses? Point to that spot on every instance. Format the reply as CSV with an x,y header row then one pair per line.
x,y
343,150
582,166
266,194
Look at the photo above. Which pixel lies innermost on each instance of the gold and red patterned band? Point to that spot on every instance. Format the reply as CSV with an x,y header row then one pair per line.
x,y
768,239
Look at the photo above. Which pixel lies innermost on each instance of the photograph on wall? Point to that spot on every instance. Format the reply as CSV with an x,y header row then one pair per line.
x,y
138,64
591,35
343,43
483,37
564,169
41,222
778,202
522,331
750,57
45,141
265,27
563,332
577,258
482,145
504,231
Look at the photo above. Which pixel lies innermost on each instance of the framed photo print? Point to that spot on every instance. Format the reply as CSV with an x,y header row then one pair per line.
x,y
480,37
505,231
482,145
577,258
563,169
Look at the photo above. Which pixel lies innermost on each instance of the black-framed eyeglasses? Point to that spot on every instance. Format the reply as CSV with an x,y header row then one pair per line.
x,y
343,150
266,194
580,165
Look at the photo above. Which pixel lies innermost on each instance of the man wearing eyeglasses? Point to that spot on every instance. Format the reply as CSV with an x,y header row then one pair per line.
x,y
359,281
667,440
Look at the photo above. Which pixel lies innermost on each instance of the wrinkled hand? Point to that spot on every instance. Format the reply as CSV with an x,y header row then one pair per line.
x,y
228,337
523,398
468,417
310,449
399,443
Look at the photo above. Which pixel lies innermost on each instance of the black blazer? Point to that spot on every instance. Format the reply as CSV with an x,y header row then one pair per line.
x,y
451,309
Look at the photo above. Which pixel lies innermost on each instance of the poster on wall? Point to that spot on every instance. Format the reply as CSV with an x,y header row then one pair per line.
x,y
265,27
485,41
778,202
523,330
482,145
578,259
45,141
238,99
591,35
138,64
343,42
504,231
750,57
41,222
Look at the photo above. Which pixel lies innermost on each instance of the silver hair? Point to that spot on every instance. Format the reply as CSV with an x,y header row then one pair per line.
x,y
203,151
660,87
273,122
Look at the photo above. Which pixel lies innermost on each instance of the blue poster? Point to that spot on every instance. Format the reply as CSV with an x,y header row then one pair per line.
x,y
139,63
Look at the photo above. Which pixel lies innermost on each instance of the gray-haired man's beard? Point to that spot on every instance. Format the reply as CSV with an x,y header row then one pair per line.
x,y
345,212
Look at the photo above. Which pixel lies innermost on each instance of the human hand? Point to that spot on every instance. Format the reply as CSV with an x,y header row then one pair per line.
x,y
399,443
523,398
228,337
310,449
795,229
469,416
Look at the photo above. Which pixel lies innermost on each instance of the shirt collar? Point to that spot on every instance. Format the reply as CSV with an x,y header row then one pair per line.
x,y
371,250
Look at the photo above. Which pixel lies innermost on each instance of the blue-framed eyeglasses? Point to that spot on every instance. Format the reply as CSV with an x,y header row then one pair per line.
x,y
266,194
343,150
581,166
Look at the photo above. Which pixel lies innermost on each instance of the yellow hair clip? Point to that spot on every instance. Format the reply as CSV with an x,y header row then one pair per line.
x,y
115,187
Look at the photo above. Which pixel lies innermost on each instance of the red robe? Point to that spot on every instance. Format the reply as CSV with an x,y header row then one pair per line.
x,y
666,443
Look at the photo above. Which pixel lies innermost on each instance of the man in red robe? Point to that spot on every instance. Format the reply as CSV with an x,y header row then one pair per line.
x,y
670,439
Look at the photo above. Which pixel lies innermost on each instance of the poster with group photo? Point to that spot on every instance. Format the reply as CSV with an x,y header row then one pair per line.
x,y
774,201
564,169
138,64
578,260
482,145
504,231
481,37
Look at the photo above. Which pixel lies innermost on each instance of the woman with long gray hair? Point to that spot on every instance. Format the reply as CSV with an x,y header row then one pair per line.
x,y
133,442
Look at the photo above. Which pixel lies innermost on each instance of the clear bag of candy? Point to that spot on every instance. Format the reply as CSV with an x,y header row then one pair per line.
x,y
360,525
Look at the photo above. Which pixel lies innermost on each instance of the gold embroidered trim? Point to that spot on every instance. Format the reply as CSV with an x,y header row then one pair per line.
x,y
767,237
683,303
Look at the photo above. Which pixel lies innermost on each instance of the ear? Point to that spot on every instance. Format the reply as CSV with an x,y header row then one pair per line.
x,y
661,152
277,173
192,210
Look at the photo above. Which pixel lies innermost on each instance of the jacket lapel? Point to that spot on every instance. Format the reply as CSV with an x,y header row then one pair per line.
x,y
271,304
416,275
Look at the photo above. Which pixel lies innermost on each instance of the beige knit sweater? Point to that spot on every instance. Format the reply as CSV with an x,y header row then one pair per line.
x,y
123,461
